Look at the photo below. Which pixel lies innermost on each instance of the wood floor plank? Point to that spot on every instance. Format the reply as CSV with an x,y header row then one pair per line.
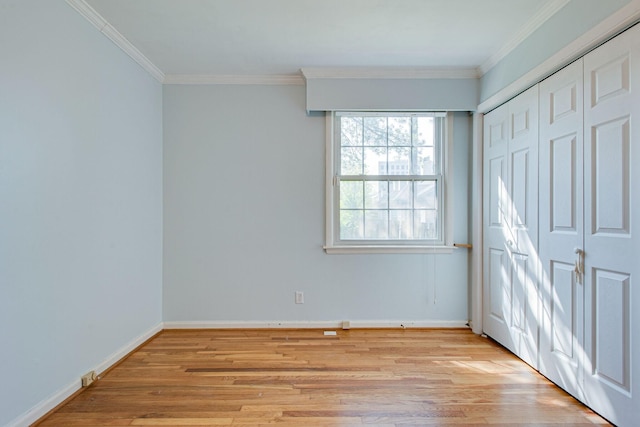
x,y
303,378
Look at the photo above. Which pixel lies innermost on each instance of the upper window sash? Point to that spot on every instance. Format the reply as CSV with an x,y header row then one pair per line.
x,y
364,144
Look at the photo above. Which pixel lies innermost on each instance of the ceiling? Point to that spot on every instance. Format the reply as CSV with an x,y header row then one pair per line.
x,y
278,37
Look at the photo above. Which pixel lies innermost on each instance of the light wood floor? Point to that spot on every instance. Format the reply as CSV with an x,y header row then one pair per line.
x,y
303,378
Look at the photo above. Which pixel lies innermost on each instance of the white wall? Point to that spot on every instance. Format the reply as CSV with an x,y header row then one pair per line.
x,y
80,202
244,220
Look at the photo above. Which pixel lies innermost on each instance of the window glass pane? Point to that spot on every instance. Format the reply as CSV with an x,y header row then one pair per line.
x,y
423,162
375,131
424,131
425,195
403,146
376,194
351,224
400,161
351,194
376,224
426,224
351,131
399,131
375,160
400,224
351,161
400,194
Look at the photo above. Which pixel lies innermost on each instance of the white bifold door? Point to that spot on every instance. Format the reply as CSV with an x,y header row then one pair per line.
x,y
510,293
612,229
589,241
561,219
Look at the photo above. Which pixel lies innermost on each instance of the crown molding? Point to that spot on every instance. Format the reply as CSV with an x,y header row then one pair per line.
x,y
619,21
91,15
389,73
534,23
217,79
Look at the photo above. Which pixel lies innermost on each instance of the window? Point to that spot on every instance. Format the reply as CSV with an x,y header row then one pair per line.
x,y
385,188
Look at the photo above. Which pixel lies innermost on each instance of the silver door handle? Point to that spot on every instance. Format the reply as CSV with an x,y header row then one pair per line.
x,y
579,265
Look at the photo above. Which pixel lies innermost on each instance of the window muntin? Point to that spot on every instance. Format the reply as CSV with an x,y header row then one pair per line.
x,y
387,185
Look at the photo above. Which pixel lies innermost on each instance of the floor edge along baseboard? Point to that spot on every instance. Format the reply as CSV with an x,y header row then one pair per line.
x,y
47,406
329,324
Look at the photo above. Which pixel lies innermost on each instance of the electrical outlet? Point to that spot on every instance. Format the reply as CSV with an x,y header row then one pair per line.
x,y
89,378
299,297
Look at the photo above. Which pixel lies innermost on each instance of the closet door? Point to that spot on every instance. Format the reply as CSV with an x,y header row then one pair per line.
x,y
612,233
561,227
496,294
510,289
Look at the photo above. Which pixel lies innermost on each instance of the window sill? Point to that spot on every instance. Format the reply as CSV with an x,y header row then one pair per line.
x,y
435,249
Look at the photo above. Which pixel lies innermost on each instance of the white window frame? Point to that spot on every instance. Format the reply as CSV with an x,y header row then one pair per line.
x,y
333,244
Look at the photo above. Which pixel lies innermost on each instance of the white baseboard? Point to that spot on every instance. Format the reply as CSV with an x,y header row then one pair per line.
x,y
409,324
38,411
234,324
132,345
329,324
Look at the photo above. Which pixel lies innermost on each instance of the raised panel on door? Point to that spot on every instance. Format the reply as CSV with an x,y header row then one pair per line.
x,y
498,291
522,308
563,308
611,316
561,226
612,217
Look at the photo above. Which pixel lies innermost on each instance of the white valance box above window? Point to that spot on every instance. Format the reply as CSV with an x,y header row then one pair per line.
x,y
391,90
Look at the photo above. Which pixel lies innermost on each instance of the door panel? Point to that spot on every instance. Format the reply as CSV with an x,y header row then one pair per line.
x,y
609,79
497,283
561,226
562,311
610,177
523,223
496,192
611,314
510,186
498,292
518,293
563,184
612,243
520,184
